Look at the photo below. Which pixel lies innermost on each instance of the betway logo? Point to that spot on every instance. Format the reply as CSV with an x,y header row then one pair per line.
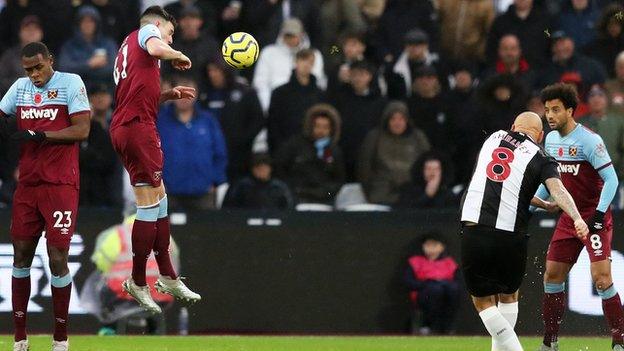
x,y
33,113
574,169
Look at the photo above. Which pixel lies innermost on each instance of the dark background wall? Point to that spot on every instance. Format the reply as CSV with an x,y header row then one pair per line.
x,y
303,272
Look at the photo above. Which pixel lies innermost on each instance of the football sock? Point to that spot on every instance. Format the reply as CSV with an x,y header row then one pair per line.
x,y
500,329
510,312
20,295
143,237
61,293
553,306
612,308
161,245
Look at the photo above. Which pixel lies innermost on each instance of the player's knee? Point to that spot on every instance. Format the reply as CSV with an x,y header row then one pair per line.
x,y
554,277
22,259
58,265
602,280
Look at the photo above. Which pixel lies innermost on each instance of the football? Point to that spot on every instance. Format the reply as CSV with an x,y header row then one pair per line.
x,y
240,50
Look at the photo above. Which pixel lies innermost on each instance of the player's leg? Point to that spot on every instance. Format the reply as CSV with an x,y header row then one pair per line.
x,y
553,301
496,324
508,307
169,282
144,229
61,282
23,254
599,249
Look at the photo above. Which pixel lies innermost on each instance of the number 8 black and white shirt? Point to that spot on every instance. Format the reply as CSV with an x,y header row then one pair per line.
x,y
510,168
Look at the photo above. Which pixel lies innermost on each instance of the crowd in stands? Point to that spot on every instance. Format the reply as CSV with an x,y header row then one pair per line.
x,y
388,99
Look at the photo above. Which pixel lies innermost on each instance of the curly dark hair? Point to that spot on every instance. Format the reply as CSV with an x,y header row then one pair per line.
x,y
566,93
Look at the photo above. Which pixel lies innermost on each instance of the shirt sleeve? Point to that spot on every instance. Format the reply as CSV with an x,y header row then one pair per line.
x,y
549,167
77,100
9,101
596,153
146,32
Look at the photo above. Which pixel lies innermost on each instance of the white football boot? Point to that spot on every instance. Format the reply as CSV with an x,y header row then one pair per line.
x,y
142,295
21,345
176,288
60,345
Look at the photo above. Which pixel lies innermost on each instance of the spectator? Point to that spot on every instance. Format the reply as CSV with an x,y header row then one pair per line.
x,y
500,99
432,279
372,10
610,38
510,61
415,55
569,66
388,153
398,18
195,44
115,23
264,18
194,152
100,170
312,162
361,106
277,61
352,48
528,23
427,108
11,18
207,9
578,18
230,16
259,191
338,17
89,53
464,25
606,123
11,60
9,154
429,184
236,106
615,86
290,101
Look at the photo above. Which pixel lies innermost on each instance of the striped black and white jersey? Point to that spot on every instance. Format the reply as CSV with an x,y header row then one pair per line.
x,y
509,170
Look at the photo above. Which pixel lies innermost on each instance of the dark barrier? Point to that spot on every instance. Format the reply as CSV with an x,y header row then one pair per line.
x,y
303,272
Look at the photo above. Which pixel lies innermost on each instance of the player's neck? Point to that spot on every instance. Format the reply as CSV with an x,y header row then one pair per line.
x,y
568,128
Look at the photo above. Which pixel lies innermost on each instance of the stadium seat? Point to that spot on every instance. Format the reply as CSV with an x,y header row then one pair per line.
x,y
366,208
220,194
350,194
314,207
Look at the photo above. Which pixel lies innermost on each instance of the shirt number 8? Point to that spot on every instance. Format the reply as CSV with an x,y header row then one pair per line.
x,y
499,169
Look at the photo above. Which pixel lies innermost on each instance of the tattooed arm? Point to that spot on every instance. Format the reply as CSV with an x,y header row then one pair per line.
x,y
566,203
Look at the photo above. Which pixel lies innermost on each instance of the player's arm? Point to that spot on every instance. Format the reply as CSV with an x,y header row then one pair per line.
x,y
151,41
601,161
78,131
539,201
179,92
566,203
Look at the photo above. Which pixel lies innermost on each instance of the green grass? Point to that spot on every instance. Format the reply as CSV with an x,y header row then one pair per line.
x,y
295,343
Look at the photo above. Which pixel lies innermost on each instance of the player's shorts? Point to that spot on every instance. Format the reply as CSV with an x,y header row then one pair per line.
x,y
48,207
566,249
493,261
138,146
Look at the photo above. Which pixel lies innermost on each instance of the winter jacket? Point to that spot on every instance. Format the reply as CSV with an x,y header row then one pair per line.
x,y
402,68
338,16
464,25
310,177
194,153
422,269
579,25
275,65
430,115
289,103
605,47
579,69
11,63
385,159
493,114
251,193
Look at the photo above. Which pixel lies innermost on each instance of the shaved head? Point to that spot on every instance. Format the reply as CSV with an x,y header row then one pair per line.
x,y
529,123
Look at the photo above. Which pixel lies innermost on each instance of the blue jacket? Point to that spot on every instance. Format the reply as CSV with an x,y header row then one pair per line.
x,y
195,153
579,25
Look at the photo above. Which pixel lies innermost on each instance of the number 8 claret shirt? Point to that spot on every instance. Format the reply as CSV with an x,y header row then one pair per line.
x,y
509,169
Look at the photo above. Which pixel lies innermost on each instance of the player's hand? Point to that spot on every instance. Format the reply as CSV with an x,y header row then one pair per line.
x,y
581,229
597,223
182,92
29,135
182,63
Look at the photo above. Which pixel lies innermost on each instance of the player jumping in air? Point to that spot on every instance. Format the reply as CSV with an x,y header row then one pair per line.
x,y
587,172
135,138
53,115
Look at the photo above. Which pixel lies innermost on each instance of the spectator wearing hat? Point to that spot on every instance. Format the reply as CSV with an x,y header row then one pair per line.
x,y
259,190
464,25
276,61
610,38
578,18
511,61
428,110
190,39
433,280
569,66
235,104
311,163
528,23
89,53
290,101
608,124
388,154
30,30
100,170
400,17
415,54
360,105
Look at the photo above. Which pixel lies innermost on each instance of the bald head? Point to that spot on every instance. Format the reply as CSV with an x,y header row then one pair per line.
x,y
529,123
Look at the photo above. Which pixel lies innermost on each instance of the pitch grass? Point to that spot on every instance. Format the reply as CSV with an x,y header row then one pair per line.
x,y
295,343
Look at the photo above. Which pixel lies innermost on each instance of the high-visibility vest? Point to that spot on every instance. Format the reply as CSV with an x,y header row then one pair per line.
x,y
121,268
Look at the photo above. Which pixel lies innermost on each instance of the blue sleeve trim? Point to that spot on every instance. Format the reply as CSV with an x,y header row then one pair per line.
x,y
609,189
146,32
542,193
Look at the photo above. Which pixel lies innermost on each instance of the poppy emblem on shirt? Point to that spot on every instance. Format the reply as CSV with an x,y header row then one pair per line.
x,y
52,94
572,151
560,153
37,98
